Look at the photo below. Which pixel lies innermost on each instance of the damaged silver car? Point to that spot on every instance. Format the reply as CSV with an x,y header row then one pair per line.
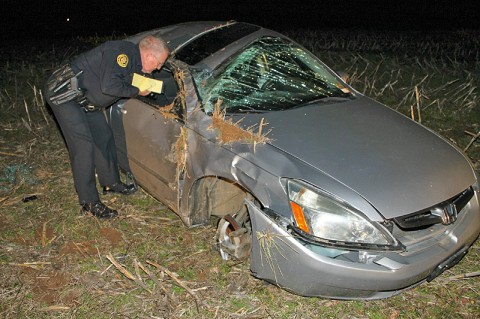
x,y
325,191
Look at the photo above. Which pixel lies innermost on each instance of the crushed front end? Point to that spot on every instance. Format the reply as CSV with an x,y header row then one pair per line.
x,y
285,255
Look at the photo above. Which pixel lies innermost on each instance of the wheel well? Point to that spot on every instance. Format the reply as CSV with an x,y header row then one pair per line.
x,y
216,196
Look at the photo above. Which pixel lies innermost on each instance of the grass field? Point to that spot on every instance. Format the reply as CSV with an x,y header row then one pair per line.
x,y
56,263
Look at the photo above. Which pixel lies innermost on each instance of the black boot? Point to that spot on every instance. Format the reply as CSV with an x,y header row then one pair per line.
x,y
98,209
120,188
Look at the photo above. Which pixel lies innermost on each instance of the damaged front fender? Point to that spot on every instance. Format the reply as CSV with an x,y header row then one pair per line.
x,y
282,259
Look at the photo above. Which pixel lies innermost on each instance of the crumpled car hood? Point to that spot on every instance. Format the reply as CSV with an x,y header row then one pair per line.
x,y
397,165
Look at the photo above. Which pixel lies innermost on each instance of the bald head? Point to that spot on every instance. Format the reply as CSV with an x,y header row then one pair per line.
x,y
153,51
154,44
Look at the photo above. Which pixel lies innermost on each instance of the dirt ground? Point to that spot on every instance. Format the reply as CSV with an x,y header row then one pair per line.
x,y
58,263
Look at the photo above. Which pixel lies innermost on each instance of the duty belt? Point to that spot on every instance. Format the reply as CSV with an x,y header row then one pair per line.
x,y
64,83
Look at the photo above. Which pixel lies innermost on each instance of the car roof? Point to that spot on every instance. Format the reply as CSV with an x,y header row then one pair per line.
x,y
181,35
177,34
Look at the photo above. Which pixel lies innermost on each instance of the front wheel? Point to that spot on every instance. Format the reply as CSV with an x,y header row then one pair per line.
x,y
234,236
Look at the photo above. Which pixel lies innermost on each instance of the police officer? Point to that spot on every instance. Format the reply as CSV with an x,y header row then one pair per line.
x,y
78,93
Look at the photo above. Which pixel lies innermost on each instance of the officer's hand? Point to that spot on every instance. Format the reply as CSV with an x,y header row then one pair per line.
x,y
144,93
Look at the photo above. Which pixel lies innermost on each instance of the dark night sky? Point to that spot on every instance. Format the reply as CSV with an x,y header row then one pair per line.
x,y
46,18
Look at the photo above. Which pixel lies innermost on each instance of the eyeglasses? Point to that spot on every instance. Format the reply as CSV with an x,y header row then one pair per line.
x,y
160,64
160,61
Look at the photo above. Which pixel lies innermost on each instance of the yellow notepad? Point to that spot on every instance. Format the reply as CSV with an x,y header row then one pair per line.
x,y
147,84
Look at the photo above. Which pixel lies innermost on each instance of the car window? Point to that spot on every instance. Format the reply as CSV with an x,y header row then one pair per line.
x,y
167,101
212,41
270,74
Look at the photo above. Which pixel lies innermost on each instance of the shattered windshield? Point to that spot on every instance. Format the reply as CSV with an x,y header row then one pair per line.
x,y
269,75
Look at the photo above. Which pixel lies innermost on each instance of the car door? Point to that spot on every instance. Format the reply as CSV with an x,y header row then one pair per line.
x,y
150,132
150,142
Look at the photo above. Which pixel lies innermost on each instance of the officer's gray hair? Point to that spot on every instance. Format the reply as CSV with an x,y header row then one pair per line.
x,y
153,43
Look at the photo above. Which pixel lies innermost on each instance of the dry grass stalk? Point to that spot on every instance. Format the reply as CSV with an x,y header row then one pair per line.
x,y
39,101
34,265
259,134
474,138
166,111
464,276
10,154
178,281
44,234
28,113
120,267
417,98
155,280
230,132
126,273
181,150
81,250
6,201
137,270
51,240
270,249
54,308
42,109
179,77
149,274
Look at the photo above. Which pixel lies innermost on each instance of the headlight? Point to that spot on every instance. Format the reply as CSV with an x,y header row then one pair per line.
x,y
328,220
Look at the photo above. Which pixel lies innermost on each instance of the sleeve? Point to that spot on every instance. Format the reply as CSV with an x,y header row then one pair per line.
x,y
116,74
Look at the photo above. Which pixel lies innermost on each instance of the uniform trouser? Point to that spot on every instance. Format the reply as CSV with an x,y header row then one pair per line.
x,y
91,148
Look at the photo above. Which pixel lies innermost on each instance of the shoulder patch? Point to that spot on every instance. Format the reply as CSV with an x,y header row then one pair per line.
x,y
122,60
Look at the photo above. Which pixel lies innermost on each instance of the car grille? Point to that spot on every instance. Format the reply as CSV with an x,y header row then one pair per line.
x,y
433,215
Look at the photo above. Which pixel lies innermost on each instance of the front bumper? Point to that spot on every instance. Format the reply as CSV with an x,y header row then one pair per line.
x,y
280,258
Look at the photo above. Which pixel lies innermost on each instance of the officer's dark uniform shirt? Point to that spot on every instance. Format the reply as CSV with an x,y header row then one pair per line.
x,y
107,72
